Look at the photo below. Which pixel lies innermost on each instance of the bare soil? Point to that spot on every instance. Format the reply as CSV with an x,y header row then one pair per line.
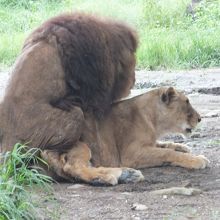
x,y
80,201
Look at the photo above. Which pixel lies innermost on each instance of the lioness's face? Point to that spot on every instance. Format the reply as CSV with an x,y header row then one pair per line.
x,y
179,111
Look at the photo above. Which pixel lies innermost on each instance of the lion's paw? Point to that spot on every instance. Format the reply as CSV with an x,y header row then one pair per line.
x,y
130,175
44,155
201,162
108,180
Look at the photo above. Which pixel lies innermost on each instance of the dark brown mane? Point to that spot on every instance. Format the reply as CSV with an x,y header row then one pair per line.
x,y
92,53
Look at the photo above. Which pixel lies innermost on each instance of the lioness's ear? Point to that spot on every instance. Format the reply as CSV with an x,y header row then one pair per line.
x,y
168,95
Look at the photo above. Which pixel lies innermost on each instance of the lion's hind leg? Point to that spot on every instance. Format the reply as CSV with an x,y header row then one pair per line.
x,y
55,164
77,165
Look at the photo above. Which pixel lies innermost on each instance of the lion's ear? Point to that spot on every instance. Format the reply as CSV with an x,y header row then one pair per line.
x,y
168,95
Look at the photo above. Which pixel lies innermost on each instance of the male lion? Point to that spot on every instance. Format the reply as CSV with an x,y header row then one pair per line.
x,y
127,137
71,64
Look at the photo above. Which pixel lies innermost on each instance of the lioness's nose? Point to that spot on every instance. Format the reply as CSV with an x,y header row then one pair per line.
x,y
199,119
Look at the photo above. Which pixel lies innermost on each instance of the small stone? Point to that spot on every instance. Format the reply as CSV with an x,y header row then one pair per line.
x,y
186,183
126,193
135,217
75,195
164,196
75,186
138,207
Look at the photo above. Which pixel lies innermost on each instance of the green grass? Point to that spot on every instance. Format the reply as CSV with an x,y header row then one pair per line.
x,y
179,50
169,38
16,183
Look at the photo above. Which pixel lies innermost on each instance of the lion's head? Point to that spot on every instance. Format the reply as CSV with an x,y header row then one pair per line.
x,y
176,112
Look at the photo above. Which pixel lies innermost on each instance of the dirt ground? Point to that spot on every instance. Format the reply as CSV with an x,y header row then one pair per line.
x,y
80,201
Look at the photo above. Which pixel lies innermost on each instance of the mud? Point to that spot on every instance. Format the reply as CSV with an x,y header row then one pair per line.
x,y
80,201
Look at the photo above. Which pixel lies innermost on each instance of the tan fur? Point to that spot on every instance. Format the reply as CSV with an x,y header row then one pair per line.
x,y
127,137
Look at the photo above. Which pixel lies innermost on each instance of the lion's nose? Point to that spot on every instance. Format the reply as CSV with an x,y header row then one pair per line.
x,y
199,119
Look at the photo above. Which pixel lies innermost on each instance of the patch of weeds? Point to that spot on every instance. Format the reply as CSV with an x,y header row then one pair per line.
x,y
17,181
215,143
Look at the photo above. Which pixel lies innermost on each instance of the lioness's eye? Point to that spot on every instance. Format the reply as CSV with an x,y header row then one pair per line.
x,y
187,101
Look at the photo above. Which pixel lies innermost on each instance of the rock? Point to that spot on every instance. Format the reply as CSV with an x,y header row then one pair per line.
x,y
177,191
195,135
138,207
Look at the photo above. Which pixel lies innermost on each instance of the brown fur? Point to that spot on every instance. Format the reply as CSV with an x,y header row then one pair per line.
x,y
127,137
71,64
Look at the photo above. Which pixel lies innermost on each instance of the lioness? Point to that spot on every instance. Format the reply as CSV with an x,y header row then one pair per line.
x,y
127,137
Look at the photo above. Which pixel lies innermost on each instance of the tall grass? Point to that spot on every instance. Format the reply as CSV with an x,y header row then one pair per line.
x,y
16,182
169,37
194,48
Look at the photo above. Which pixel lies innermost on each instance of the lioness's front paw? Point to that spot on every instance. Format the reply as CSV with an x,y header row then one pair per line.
x,y
182,148
130,175
201,162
